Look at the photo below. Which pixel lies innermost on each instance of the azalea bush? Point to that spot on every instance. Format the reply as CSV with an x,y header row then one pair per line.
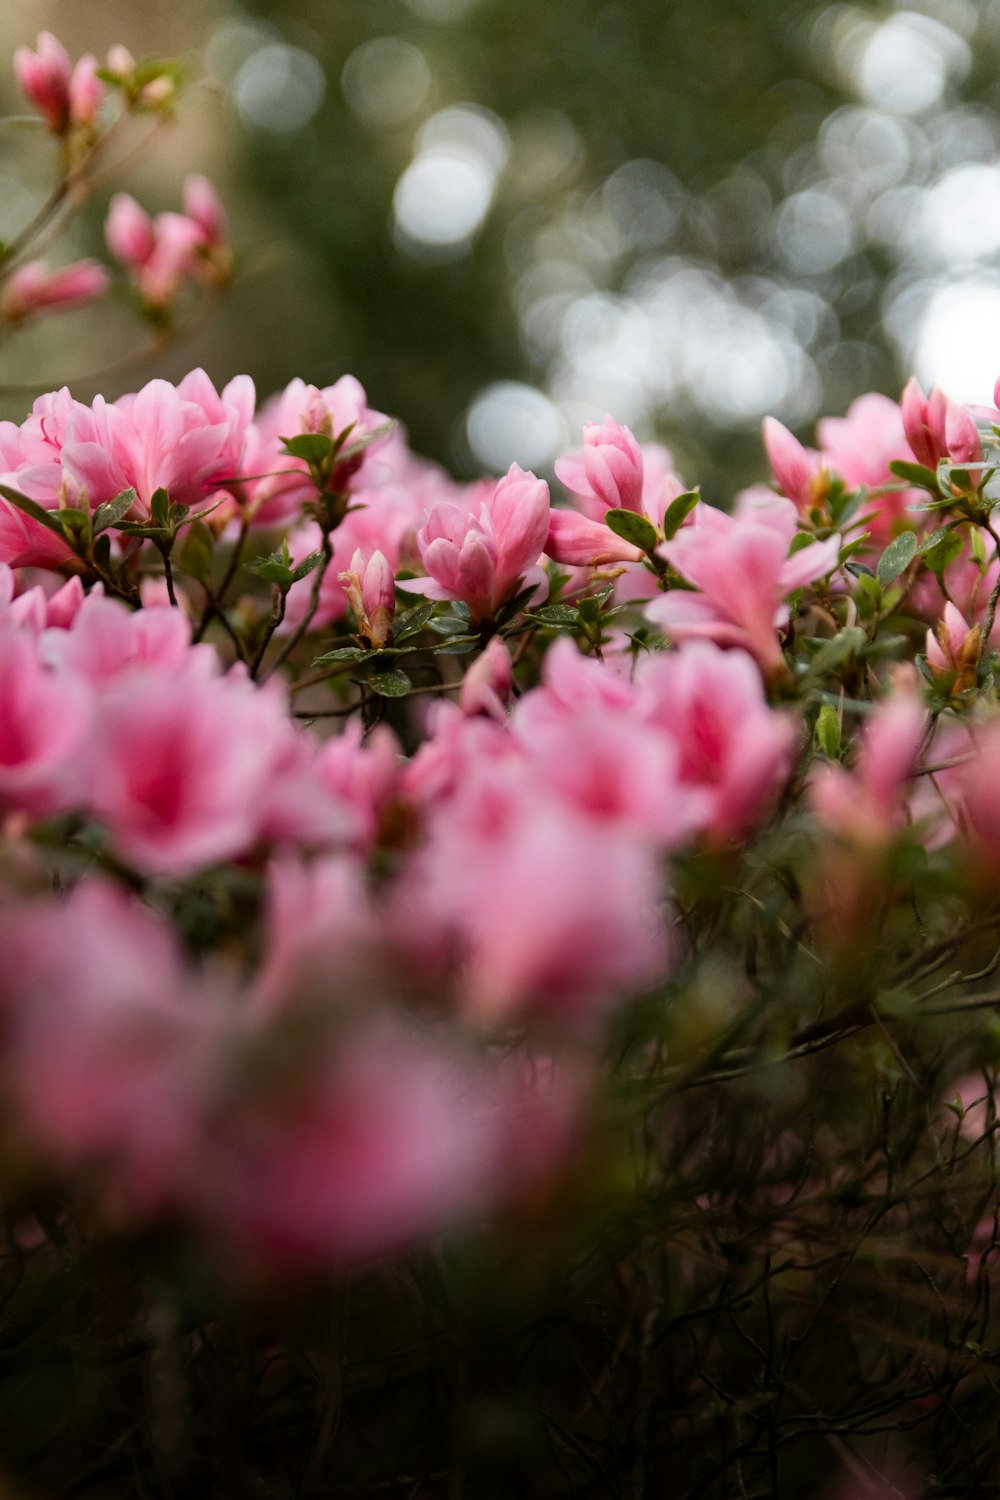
x,y
497,981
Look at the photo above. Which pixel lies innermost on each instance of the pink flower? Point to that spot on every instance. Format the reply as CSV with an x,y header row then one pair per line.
x,y
370,585
859,447
484,559
129,232
741,568
203,206
44,724
186,771
388,1140
937,427
865,805
579,542
64,95
33,288
612,466
183,439
284,483
488,685
540,904
953,649
107,1041
734,752
799,473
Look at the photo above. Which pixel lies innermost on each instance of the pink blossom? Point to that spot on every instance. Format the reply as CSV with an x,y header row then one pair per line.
x,y
107,1049
539,904
285,485
483,559
186,771
387,1140
577,541
203,207
362,773
937,427
183,439
612,466
743,573
371,588
488,685
129,232
734,752
63,94
105,639
44,725
799,474
859,447
33,288
865,805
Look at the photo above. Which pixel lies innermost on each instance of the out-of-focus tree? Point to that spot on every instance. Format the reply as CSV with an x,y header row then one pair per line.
x,y
506,217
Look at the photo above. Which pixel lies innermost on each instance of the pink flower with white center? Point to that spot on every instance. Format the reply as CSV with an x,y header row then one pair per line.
x,y
45,721
33,288
64,94
484,559
866,805
742,571
734,752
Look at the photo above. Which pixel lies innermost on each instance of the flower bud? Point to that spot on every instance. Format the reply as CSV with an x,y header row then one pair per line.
x,y
33,288
44,77
613,464
371,589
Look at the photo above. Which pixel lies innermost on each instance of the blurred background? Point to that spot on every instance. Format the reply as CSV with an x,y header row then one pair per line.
x,y
506,217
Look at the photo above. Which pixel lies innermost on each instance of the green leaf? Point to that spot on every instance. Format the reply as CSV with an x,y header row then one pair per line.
x,y
314,448
101,552
828,731
450,624
159,508
916,474
897,557
342,653
459,645
633,528
678,511
46,518
835,652
413,620
391,684
555,614
364,441
112,510
800,541
75,523
195,557
306,566
940,549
